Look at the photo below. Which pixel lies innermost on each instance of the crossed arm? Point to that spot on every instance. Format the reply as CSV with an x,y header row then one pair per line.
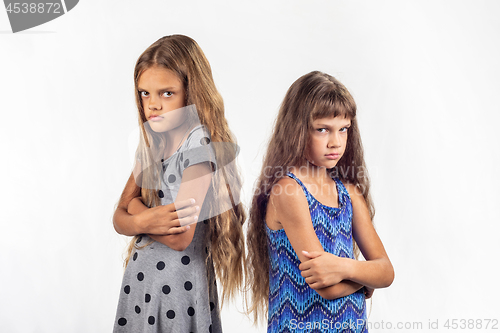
x,y
331,276
174,224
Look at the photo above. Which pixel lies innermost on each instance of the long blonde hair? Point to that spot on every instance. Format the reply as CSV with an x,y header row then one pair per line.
x,y
312,96
225,239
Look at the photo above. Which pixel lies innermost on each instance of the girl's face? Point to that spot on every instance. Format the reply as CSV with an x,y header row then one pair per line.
x,y
327,141
163,98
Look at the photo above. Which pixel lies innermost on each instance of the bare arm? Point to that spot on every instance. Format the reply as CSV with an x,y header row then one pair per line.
x,y
156,220
195,183
292,212
377,270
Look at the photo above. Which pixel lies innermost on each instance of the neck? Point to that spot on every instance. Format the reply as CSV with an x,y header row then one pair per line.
x,y
312,172
175,137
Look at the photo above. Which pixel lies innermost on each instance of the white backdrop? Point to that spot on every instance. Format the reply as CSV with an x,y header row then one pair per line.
x,y
425,75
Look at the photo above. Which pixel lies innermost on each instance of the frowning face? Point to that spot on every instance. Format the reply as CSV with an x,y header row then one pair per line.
x,y
163,98
327,141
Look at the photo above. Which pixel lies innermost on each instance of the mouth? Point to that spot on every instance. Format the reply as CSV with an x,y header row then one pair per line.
x,y
155,118
332,156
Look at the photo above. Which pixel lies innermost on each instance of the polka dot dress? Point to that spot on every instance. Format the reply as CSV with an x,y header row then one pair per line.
x,y
165,290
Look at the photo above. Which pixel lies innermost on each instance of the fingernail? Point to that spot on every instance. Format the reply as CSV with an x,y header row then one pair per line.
x,y
305,252
192,201
197,208
188,227
196,218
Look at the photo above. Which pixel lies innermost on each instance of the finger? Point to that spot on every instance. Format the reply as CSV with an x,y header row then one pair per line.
x,y
316,254
303,266
178,230
310,280
181,204
188,220
305,274
316,285
312,254
187,211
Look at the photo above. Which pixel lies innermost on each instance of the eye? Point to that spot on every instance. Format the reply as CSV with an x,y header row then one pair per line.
x,y
344,129
167,94
321,130
143,93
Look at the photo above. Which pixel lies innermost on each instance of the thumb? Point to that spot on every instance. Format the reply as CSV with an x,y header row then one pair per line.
x,y
312,254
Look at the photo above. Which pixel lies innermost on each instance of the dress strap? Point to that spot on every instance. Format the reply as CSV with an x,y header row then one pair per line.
x,y
291,175
341,191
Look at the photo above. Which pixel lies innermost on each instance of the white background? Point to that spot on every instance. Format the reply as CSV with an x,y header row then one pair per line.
x,y
425,76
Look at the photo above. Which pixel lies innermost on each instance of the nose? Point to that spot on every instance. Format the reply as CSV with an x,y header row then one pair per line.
x,y
154,103
333,140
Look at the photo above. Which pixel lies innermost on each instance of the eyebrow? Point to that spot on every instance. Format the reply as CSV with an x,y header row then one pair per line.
x,y
163,89
328,126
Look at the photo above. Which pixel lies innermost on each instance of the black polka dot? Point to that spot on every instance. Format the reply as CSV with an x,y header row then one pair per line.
x,y
137,309
188,285
140,276
186,163
170,314
162,159
138,240
205,221
166,289
171,178
160,265
212,306
151,320
135,256
191,311
210,328
204,141
127,289
160,193
182,157
122,321
147,298
185,260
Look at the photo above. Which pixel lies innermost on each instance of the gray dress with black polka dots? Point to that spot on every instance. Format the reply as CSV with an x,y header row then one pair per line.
x,y
165,290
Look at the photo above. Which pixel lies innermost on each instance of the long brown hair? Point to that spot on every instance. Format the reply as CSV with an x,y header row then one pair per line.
x,y
312,96
225,238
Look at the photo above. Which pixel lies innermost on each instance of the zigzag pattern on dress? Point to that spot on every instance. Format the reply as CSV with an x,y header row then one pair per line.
x,y
293,305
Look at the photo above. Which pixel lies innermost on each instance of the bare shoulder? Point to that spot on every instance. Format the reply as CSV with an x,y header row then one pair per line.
x,y
354,192
286,200
287,191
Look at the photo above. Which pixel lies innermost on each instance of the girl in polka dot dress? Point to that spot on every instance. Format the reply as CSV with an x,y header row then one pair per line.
x,y
184,174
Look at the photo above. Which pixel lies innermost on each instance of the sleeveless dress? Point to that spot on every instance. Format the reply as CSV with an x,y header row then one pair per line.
x,y
165,290
293,305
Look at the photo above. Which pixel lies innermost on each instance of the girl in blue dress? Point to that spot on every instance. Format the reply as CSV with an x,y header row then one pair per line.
x,y
310,216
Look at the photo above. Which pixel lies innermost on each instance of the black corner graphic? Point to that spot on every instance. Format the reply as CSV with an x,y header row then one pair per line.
x,y
26,14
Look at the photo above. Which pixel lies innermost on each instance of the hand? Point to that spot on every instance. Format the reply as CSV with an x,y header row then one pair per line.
x,y
368,292
323,269
167,219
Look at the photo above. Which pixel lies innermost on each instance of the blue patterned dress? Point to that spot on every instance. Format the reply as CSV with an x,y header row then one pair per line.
x,y
293,305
